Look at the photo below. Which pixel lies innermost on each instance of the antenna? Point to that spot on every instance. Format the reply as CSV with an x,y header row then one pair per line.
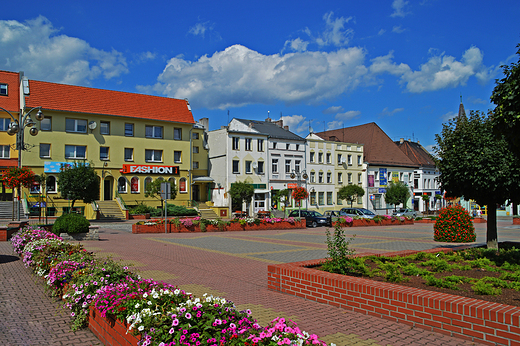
x,y
228,116
324,127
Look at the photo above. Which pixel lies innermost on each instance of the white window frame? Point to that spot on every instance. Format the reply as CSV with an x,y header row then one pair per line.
x,y
177,156
235,166
249,144
129,150
249,167
154,153
5,151
274,166
260,145
104,127
129,129
104,156
48,150
153,130
235,143
4,91
77,124
4,124
75,151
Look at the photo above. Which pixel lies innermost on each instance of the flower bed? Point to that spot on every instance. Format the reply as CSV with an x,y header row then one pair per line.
x,y
123,309
202,225
516,220
466,318
386,221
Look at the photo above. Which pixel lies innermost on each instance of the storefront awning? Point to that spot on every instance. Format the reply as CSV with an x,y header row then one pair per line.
x,y
203,180
262,191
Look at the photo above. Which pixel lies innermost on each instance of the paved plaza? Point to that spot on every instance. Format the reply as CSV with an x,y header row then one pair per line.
x,y
227,264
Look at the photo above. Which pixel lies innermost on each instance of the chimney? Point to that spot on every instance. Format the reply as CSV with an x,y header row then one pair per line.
x,y
250,125
279,122
401,140
286,127
204,122
418,142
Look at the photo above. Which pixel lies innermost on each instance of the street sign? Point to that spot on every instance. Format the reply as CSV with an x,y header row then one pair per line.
x,y
166,192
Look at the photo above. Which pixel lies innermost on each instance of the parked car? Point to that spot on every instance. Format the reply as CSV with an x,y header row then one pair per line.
x,y
359,212
405,212
312,218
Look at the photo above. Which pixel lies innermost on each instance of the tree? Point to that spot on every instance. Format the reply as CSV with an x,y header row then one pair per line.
x,y
477,165
397,193
153,189
506,96
350,193
241,192
79,182
426,200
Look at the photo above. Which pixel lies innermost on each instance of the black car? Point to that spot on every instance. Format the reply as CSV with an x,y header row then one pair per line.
x,y
312,218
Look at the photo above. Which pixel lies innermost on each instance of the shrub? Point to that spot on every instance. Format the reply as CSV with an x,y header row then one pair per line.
x,y
140,209
454,225
71,223
179,210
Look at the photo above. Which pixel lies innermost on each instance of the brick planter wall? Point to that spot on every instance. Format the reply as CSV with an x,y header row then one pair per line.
x,y
210,228
111,332
369,222
516,221
466,318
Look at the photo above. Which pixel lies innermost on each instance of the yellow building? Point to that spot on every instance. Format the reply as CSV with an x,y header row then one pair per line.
x,y
130,140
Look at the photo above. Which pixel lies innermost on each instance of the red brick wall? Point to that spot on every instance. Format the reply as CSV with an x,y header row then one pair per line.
x,y
110,332
470,319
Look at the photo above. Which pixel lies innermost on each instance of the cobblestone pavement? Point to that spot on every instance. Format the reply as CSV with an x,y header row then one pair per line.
x,y
232,265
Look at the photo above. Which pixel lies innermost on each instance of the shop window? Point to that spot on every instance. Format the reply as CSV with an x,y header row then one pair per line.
x,y
51,184
134,185
147,181
183,188
121,185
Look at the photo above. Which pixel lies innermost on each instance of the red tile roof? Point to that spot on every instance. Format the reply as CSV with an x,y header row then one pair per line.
x,y
379,149
11,102
417,153
77,99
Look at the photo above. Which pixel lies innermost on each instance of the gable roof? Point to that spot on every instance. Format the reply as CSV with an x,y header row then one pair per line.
x,y
417,153
77,99
271,129
379,149
11,102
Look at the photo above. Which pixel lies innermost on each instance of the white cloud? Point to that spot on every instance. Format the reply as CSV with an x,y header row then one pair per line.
x,y
297,123
387,112
335,33
444,71
399,8
347,115
297,45
398,29
448,116
335,124
333,110
239,76
35,48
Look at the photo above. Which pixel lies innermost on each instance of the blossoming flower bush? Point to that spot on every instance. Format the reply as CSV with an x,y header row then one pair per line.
x,y
159,313
197,221
454,225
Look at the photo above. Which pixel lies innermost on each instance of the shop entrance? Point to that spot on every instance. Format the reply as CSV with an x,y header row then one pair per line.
x,y
107,189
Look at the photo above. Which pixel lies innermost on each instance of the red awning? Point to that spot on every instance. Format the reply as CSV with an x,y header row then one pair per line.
x,y
8,162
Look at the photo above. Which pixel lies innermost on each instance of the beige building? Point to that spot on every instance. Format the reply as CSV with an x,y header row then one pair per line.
x,y
130,140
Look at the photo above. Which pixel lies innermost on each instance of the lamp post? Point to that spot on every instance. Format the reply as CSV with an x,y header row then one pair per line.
x,y
17,127
299,175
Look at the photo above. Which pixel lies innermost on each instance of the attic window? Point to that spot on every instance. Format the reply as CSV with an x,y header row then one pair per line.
x,y
3,89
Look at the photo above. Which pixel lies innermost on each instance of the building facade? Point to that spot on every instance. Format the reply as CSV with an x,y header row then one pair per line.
x,y
129,139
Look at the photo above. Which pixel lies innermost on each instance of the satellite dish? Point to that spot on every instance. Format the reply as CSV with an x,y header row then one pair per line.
x,y
92,125
254,165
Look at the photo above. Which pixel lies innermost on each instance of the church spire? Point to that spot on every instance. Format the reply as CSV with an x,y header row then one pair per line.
x,y
462,112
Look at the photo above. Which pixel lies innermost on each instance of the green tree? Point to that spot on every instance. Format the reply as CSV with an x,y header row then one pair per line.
x,y
241,192
477,165
79,182
350,193
153,189
397,193
506,97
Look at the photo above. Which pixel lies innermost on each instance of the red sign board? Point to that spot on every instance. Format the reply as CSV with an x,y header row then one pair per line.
x,y
292,185
150,169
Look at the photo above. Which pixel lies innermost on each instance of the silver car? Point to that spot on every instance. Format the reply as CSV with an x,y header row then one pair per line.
x,y
359,212
405,212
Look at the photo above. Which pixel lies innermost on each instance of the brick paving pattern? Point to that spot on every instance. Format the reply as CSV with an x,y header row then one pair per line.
x,y
232,265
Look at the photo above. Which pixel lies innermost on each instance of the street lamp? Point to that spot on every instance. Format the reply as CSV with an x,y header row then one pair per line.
x,y
299,175
17,127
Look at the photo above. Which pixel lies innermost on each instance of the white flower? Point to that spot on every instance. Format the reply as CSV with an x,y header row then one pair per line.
x,y
141,328
145,295
137,306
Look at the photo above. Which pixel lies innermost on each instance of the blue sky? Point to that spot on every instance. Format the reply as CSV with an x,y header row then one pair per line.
x,y
319,64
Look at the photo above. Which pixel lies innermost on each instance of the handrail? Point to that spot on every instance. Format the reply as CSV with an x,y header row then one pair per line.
x,y
121,200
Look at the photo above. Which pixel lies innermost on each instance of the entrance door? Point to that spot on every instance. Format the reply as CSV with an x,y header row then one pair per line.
x,y
107,191
195,192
